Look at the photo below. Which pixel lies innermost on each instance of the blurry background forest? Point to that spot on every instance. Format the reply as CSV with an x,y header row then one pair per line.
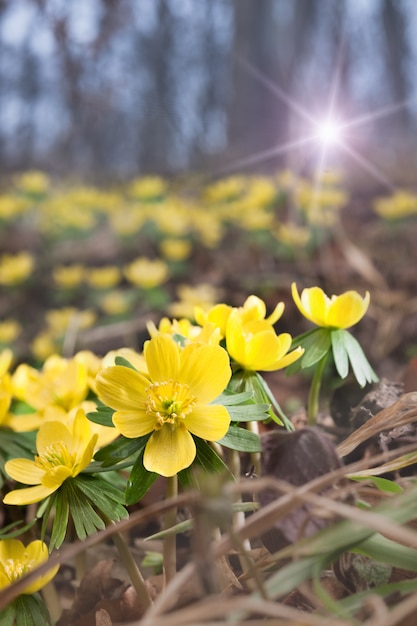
x,y
117,88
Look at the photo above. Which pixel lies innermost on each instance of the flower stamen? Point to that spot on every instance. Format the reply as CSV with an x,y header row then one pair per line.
x,y
169,401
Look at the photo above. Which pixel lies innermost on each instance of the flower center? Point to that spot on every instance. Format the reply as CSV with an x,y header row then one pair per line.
x,y
56,454
16,569
170,402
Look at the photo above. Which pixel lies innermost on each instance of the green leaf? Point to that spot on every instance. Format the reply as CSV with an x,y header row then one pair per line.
x,y
31,611
230,398
383,484
120,360
385,550
102,415
86,521
105,497
340,354
140,480
249,412
120,450
316,344
7,615
361,368
241,439
60,524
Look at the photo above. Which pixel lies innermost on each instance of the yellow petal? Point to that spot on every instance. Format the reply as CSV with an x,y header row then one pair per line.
x,y
311,303
206,369
36,554
50,432
85,458
235,339
24,471
29,495
53,478
12,549
253,309
133,424
347,309
209,422
169,450
285,360
316,303
262,349
162,358
276,313
121,388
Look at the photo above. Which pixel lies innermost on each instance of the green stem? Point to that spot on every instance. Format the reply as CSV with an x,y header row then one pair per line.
x,y
313,397
170,541
131,566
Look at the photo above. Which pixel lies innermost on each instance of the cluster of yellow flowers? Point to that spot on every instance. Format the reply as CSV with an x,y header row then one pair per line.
x,y
399,205
96,234
168,399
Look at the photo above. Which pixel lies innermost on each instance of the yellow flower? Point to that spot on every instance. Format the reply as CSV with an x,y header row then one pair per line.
x,y
5,398
17,560
146,273
203,295
175,249
208,333
115,302
256,346
9,331
103,277
6,359
59,320
147,188
255,309
15,268
33,182
336,312
61,382
68,277
217,315
62,453
171,403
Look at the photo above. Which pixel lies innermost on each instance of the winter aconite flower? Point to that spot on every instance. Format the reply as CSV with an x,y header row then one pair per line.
x,y
255,346
63,452
17,560
171,402
335,312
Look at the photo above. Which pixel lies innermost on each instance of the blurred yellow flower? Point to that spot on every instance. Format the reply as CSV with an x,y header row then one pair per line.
x,y
11,207
9,331
103,277
34,183
207,333
292,235
17,560
202,295
147,188
115,302
175,249
340,311
61,382
399,205
171,402
146,273
6,391
15,268
62,453
43,345
69,276
59,320
6,359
